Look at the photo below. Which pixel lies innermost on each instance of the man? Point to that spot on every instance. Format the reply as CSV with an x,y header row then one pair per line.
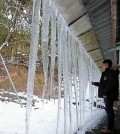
x,y
108,89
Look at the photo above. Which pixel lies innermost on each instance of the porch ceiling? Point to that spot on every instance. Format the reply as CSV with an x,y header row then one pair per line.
x,y
91,21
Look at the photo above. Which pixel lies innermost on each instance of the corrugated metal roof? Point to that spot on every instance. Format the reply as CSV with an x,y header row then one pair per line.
x,y
100,16
91,21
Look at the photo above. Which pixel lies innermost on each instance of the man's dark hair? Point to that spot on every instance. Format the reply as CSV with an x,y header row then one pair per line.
x,y
108,61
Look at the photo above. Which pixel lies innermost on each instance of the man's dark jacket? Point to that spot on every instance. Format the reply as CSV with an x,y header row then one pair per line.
x,y
109,84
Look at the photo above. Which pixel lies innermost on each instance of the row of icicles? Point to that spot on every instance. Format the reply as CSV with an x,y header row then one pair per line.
x,y
61,49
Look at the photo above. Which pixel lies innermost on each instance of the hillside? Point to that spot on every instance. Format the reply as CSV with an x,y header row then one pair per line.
x,y
19,74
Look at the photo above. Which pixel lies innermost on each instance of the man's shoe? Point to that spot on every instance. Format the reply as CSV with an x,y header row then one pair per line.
x,y
106,131
104,127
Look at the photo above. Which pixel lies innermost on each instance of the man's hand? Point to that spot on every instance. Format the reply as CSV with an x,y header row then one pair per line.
x,y
92,82
104,96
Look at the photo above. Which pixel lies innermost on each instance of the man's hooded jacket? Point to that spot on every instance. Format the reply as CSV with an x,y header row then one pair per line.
x,y
109,84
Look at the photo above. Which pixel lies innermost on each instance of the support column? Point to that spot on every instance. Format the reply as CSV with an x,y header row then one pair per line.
x,y
119,74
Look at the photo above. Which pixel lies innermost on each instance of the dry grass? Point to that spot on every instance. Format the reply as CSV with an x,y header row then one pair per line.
x,y
19,75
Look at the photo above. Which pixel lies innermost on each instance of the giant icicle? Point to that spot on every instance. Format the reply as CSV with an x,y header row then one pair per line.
x,y
65,76
32,60
53,50
45,31
59,51
70,83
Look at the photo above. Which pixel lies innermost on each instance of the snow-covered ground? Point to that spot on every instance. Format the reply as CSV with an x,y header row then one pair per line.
x,y
43,118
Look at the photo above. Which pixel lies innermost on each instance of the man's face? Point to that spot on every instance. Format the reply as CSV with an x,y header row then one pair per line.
x,y
105,65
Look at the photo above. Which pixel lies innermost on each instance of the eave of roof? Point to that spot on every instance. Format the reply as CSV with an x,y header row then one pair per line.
x,y
91,21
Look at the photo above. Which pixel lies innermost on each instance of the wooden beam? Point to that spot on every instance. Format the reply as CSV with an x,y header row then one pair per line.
x,y
113,20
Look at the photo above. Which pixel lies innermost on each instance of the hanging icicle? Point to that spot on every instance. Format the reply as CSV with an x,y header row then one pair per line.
x,y
32,60
69,37
59,53
65,80
53,50
45,31
74,74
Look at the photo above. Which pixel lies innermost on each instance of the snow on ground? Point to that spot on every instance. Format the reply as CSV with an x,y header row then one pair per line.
x,y
43,118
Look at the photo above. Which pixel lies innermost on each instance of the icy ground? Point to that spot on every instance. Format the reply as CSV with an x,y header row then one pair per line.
x,y
43,118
